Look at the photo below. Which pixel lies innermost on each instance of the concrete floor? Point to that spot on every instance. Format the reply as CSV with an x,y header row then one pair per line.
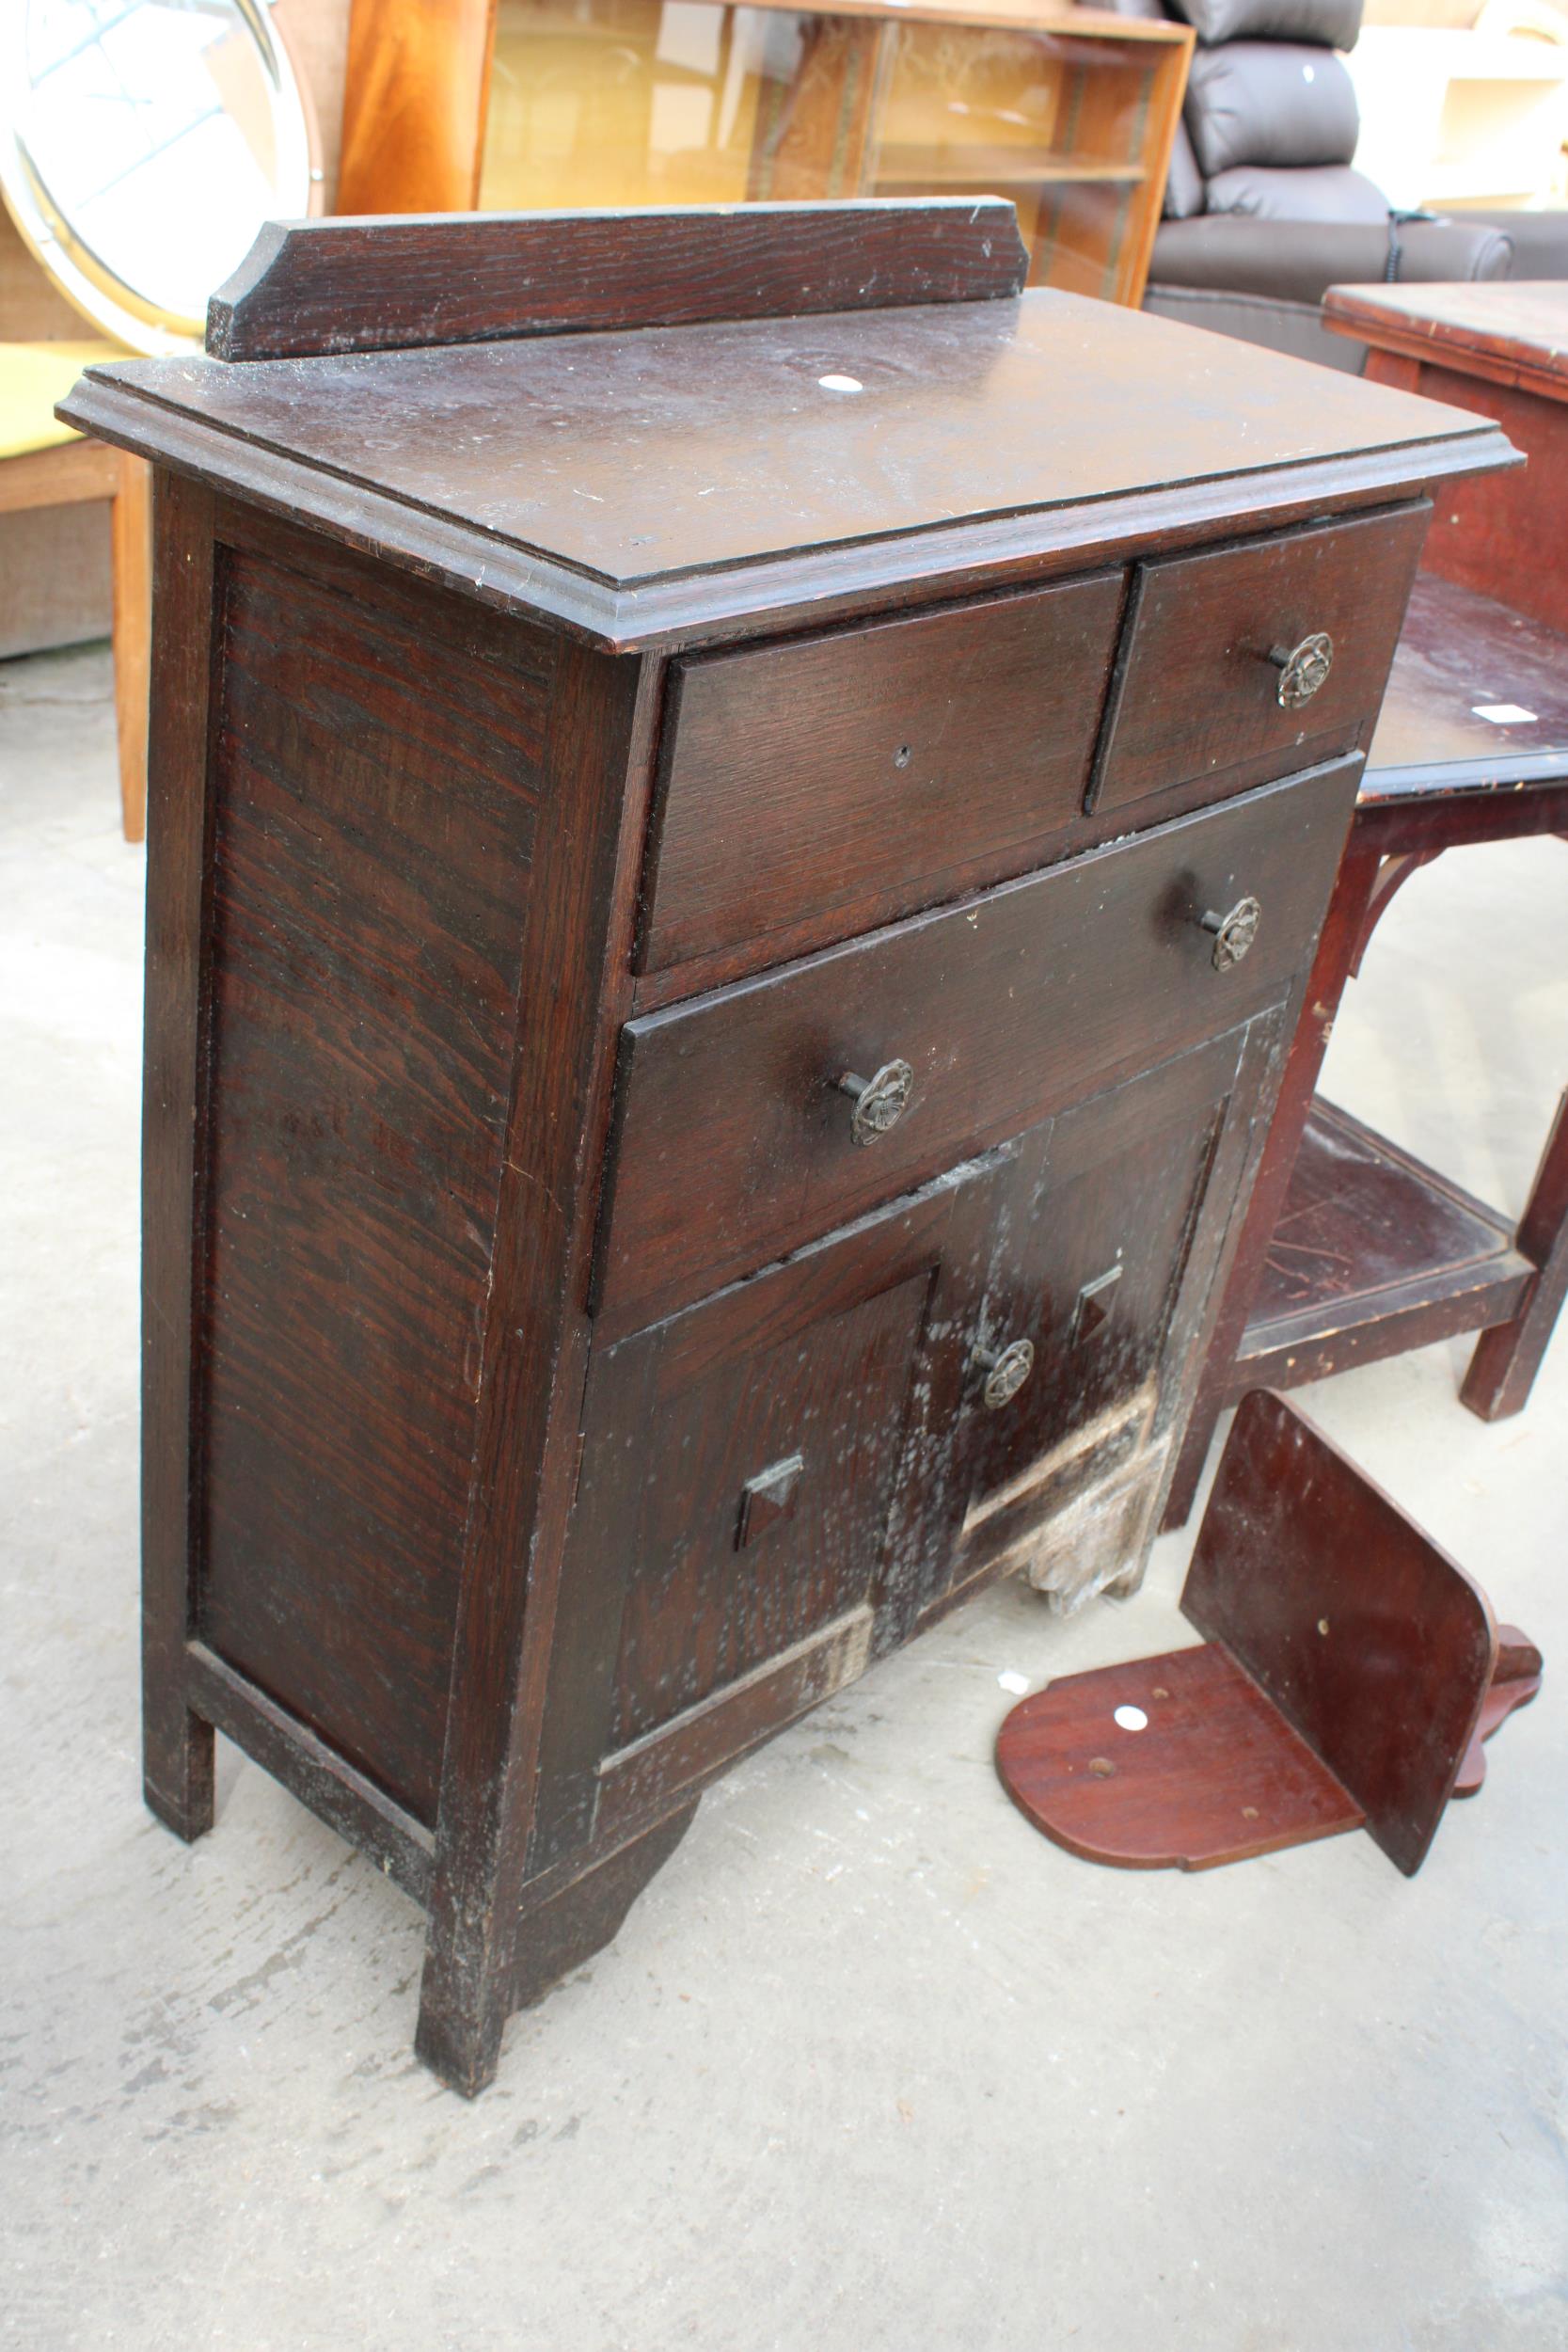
x,y
871,2065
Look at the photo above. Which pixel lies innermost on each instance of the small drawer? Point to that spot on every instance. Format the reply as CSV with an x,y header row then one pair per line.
x,y
840,768
1245,662
736,1140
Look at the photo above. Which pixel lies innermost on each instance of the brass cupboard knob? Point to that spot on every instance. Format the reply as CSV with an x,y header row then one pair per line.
x,y
1302,668
880,1100
1005,1369
1232,933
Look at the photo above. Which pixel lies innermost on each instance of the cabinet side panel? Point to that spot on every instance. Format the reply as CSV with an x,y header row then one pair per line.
x,y
376,776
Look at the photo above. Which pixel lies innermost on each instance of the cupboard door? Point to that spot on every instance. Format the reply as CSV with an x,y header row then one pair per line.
x,y
1108,1235
755,1484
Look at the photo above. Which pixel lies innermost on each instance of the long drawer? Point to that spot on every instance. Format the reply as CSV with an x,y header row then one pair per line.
x,y
738,1136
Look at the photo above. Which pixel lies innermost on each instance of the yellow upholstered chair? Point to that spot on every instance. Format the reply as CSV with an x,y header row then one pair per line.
x,y
44,463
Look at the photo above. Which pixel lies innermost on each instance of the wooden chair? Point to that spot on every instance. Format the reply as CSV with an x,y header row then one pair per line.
x,y
44,462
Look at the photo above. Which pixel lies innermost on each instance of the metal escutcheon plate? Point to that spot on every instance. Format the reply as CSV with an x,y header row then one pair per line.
x,y
882,1101
1234,932
1303,669
1008,1373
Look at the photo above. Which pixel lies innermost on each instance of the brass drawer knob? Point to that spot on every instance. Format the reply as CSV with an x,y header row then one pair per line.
x,y
1302,668
1233,934
880,1100
1005,1369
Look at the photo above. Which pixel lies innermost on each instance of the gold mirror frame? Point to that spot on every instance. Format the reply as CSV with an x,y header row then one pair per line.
x,y
120,309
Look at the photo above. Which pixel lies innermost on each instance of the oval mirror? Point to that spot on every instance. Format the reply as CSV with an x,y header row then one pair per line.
x,y
142,144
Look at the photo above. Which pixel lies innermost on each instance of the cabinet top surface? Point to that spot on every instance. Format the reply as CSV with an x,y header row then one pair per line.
x,y
637,482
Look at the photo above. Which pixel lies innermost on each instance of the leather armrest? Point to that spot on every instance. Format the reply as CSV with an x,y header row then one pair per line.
x,y
1540,240
1297,260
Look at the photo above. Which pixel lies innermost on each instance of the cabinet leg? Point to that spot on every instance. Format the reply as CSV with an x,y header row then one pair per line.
x,y
1507,1358
463,2013
1188,1474
176,1766
463,2009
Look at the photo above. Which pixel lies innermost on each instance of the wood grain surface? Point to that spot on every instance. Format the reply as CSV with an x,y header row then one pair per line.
x,y
1510,330
802,776
177,1745
849,1359
1374,1645
547,1398
1504,539
1216,1774
733,1144
377,769
1196,692
658,486
313,287
1459,655
1373,1252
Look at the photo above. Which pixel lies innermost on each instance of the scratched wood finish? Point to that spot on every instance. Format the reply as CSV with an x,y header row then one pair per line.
x,y
177,1742
496,1574
365,970
1374,1645
1509,331
875,759
309,287
1217,1775
1458,649
753,1071
1374,1253
1143,1178
1351,1673
1097,1239
1508,541
1196,692
1401,1272
670,1598
578,921
711,1599
572,478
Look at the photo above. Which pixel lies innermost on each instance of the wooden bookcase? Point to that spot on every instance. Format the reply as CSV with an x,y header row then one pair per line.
x,y
536,104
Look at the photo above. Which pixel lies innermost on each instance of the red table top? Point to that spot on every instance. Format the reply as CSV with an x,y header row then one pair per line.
x,y
1510,330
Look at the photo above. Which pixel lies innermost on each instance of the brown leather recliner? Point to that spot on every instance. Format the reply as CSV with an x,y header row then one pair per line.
x,y
1264,209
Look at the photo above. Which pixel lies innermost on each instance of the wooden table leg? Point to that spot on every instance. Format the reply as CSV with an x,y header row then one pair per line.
x,y
1507,1356
1392,875
131,527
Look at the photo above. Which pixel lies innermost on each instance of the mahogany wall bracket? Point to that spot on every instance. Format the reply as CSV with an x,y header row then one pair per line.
x,y
1351,1674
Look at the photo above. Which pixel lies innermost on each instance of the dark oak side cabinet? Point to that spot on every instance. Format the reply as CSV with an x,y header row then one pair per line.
x,y
740,811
